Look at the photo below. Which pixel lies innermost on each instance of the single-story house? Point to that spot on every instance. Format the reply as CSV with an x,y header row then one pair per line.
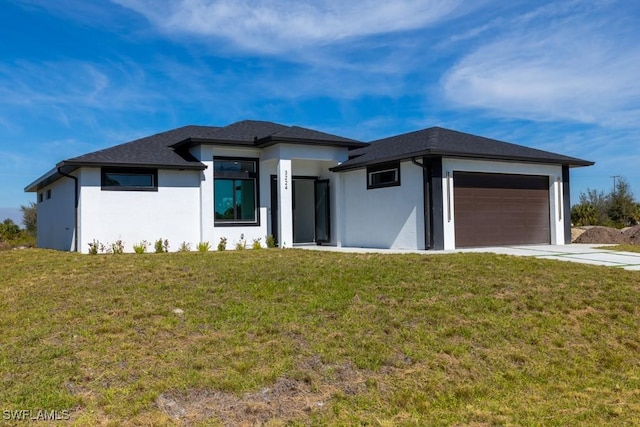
x,y
431,189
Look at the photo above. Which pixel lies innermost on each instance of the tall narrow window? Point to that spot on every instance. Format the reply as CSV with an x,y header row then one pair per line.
x,y
235,191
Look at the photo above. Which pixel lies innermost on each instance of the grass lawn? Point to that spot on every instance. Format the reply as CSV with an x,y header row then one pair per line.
x,y
623,248
299,337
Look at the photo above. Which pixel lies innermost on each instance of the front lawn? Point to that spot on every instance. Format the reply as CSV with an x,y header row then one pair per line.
x,y
622,248
302,337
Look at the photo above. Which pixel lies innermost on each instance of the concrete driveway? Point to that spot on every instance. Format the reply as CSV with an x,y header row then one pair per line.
x,y
581,253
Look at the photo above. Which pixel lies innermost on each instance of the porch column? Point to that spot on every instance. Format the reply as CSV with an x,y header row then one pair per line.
x,y
285,204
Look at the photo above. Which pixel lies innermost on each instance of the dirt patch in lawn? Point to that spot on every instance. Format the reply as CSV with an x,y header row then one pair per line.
x,y
286,400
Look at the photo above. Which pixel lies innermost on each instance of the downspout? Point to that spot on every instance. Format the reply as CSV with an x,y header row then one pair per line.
x,y
75,231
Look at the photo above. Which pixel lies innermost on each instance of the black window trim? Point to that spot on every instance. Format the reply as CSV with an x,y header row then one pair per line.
x,y
125,170
239,175
383,167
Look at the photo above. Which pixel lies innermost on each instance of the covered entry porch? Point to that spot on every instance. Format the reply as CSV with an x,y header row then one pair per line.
x,y
301,194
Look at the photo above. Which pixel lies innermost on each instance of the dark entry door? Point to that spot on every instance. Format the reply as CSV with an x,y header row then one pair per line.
x,y
323,211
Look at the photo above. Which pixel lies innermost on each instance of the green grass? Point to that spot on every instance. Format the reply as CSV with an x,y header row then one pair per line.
x,y
302,337
622,248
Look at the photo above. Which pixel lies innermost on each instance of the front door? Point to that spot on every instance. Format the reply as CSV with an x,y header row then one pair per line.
x,y
311,210
322,211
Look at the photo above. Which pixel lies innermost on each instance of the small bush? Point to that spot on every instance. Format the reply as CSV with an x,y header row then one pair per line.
x,y
256,244
240,245
161,246
270,241
141,247
184,247
117,247
222,244
93,247
9,230
204,247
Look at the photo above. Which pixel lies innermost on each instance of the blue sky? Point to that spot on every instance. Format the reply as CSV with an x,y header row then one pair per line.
x,y
77,76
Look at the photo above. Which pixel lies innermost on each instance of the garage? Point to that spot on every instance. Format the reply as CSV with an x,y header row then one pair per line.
x,y
500,209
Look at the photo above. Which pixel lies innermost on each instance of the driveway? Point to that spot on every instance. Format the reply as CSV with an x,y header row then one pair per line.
x,y
581,253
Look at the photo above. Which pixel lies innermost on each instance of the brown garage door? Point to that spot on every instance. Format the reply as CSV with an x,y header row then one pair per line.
x,y
500,209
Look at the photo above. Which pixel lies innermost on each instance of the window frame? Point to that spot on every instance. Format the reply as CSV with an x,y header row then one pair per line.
x,y
238,176
380,168
128,171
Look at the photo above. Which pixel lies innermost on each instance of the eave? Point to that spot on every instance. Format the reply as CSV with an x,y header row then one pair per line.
x,y
571,162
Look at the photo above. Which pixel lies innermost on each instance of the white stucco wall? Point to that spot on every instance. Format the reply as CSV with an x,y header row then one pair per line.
x,y
554,173
56,216
170,213
391,217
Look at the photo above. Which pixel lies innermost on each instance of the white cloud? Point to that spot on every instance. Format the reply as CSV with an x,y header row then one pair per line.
x,y
275,26
556,63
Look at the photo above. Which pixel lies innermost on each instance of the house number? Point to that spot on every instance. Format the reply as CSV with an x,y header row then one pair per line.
x,y
286,180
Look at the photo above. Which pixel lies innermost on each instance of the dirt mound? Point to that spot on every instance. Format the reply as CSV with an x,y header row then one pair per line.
x,y
604,235
633,234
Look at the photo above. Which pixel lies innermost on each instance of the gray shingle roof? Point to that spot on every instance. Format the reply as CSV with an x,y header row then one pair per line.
x,y
438,142
169,149
152,150
263,134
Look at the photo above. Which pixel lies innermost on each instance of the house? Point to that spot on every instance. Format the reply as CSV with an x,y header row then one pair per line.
x,y
431,189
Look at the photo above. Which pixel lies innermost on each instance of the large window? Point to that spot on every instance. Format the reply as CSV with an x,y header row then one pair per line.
x,y
235,191
385,175
129,179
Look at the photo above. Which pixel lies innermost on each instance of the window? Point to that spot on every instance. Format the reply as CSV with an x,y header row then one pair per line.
x,y
48,194
40,197
129,179
235,191
385,175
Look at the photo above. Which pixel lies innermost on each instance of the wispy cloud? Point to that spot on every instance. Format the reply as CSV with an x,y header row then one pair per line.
x,y
569,62
276,26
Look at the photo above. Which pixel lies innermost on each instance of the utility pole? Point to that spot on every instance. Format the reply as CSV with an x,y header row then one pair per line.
x,y
614,182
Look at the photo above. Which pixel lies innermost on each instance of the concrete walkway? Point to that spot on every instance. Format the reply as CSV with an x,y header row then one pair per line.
x,y
581,253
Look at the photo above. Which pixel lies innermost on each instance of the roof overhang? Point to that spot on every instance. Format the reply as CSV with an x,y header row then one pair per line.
x,y
267,142
571,162
68,167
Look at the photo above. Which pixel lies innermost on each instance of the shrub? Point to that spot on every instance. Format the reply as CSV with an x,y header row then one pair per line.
x,y
222,244
270,241
241,245
93,247
161,246
141,247
184,247
9,230
204,247
117,247
256,244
